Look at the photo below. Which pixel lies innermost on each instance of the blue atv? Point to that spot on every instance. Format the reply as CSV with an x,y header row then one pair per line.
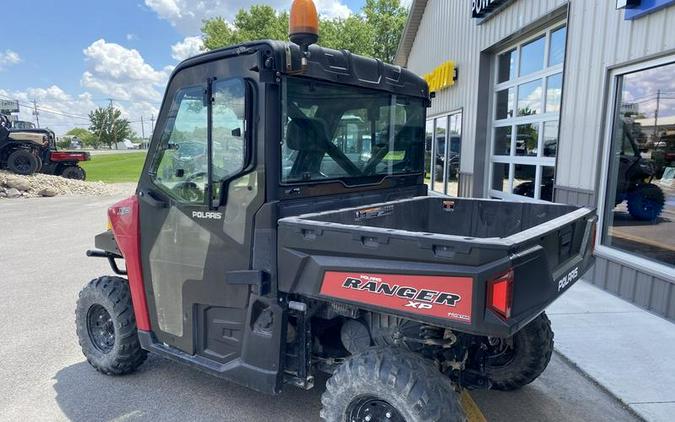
x,y
634,182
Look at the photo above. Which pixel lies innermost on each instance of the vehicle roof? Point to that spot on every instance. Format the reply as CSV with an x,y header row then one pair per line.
x,y
339,66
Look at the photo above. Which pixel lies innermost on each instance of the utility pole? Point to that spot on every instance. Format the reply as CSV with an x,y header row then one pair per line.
x,y
112,123
142,130
152,124
36,113
656,116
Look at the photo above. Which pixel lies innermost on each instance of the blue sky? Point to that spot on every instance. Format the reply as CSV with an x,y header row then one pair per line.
x,y
79,53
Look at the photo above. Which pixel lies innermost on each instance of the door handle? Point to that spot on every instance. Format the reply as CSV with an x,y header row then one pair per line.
x,y
151,200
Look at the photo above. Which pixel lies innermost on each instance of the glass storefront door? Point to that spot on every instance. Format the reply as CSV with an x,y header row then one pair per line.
x,y
443,153
526,112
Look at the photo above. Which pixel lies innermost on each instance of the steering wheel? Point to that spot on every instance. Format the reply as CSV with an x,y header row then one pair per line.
x,y
188,190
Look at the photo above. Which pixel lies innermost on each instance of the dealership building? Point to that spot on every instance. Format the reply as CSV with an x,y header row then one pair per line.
x,y
570,101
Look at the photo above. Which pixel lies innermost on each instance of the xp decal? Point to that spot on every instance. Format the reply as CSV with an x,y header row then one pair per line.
x,y
435,296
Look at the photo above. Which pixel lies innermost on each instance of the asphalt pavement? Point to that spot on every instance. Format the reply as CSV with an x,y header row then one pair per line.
x,y
44,377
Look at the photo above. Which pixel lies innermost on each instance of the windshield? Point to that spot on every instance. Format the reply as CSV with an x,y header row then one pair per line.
x,y
349,133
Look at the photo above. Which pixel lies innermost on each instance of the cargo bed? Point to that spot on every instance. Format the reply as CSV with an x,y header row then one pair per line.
x,y
433,259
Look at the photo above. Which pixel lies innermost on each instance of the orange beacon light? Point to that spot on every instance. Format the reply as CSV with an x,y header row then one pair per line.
x,y
303,25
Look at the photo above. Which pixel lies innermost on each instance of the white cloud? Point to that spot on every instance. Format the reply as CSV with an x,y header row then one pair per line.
x,y
190,46
9,58
333,9
122,73
132,37
57,109
187,15
112,71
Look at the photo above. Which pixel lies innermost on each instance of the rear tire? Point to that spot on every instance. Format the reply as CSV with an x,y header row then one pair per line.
x,y
525,358
106,326
23,162
389,380
74,172
646,202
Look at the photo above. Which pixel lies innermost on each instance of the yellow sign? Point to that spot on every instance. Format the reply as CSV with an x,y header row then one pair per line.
x,y
442,77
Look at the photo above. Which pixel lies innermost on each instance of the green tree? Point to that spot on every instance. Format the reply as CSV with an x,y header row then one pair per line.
x,y
374,32
85,136
257,23
351,34
64,142
108,126
387,19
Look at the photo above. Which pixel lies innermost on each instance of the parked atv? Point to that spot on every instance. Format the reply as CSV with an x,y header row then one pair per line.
x,y
21,151
277,266
645,200
63,163
29,151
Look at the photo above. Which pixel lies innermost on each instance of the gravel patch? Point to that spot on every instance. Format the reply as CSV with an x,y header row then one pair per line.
x,y
44,185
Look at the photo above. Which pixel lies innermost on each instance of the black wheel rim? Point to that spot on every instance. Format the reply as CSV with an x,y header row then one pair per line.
x,y
372,409
101,328
501,353
22,164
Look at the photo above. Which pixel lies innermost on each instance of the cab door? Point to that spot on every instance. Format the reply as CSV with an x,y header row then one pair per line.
x,y
198,193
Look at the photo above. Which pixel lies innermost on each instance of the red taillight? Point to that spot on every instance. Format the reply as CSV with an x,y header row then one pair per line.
x,y
499,294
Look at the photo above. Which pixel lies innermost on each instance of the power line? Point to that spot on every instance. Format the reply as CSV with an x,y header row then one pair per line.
x,y
47,110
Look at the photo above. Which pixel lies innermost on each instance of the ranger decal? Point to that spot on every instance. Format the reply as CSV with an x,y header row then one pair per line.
x,y
434,296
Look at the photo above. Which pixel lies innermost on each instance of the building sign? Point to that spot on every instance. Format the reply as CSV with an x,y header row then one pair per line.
x,y
444,76
483,8
638,9
9,106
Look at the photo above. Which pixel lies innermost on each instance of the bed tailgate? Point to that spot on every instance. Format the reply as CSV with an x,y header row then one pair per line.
x,y
444,280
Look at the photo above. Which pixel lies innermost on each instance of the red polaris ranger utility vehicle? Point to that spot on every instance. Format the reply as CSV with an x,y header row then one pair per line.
x,y
300,239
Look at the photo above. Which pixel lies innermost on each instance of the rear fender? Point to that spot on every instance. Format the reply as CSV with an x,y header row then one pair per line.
x,y
124,217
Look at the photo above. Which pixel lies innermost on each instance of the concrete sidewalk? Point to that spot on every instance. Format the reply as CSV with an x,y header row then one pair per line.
x,y
627,350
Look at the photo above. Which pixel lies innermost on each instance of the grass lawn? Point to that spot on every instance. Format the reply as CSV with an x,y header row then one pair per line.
x,y
114,168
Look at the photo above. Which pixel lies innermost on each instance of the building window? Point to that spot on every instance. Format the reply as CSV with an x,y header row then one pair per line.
x,y
639,208
527,97
444,142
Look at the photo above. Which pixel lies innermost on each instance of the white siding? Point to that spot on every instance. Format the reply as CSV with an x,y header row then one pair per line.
x,y
598,38
448,32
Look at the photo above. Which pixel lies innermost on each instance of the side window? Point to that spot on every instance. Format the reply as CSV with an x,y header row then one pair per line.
x,y
228,136
181,164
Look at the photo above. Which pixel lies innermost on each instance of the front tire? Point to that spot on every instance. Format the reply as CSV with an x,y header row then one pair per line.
x,y
646,202
23,162
106,326
521,359
389,381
